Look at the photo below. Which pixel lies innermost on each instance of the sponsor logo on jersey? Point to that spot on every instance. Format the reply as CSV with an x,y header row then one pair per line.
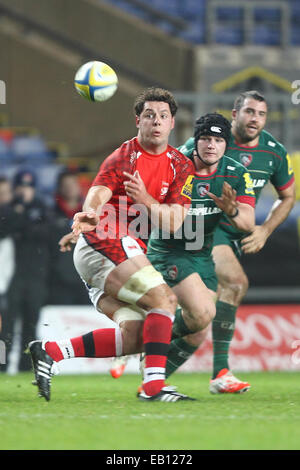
x,y
204,210
164,188
272,144
172,272
202,188
290,166
245,158
259,183
248,184
187,187
134,156
174,155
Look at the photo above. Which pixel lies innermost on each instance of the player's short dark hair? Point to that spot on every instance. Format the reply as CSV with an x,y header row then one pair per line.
x,y
253,94
155,94
212,124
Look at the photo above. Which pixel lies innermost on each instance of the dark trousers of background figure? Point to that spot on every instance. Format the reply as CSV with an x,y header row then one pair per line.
x,y
26,297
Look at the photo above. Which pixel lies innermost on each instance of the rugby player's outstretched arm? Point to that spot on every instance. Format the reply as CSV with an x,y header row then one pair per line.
x,y
88,219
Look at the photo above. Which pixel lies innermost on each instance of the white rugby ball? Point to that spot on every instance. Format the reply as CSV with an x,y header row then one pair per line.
x,y
96,81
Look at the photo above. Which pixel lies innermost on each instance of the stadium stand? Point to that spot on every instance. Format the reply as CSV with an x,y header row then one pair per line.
x,y
26,149
219,21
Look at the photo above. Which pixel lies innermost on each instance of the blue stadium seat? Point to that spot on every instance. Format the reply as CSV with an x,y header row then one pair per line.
x,y
171,7
229,35
295,35
267,14
266,36
189,9
295,10
47,177
195,33
5,152
229,13
29,148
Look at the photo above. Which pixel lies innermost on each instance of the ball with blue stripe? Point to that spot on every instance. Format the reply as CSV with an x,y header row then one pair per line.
x,y
96,81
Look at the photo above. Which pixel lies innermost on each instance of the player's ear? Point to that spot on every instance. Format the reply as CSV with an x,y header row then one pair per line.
x,y
233,113
137,121
173,122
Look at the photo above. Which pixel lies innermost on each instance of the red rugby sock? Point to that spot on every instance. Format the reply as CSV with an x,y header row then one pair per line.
x,y
157,336
104,342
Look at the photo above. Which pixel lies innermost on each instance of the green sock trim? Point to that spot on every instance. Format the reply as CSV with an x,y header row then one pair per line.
x,y
179,352
179,328
223,327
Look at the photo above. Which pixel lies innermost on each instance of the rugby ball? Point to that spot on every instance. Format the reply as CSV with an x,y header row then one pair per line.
x,y
96,81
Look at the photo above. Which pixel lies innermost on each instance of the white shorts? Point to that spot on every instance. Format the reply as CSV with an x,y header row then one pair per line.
x,y
93,268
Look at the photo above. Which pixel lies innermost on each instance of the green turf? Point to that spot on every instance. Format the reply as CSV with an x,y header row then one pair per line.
x,y
98,412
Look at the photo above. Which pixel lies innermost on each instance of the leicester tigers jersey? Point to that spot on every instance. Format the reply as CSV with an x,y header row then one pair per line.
x,y
204,215
266,162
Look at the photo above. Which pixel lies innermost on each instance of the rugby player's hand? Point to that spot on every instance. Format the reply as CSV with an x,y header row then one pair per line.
x,y
135,187
227,201
84,222
255,241
66,242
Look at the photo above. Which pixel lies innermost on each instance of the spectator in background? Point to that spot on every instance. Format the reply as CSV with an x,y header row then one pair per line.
x,y
7,248
65,286
68,196
28,220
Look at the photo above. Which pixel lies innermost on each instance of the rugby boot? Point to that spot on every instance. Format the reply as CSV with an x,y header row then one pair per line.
x,y
43,366
165,395
118,366
226,382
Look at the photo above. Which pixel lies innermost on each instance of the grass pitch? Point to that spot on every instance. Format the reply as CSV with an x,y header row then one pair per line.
x,y
94,412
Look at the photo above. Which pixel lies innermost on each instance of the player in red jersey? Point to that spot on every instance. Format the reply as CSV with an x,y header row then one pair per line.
x,y
146,176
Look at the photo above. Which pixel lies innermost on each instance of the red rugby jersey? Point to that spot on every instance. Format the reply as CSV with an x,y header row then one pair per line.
x,y
164,175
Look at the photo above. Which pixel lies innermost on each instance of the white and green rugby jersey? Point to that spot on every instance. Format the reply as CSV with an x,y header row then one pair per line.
x,y
266,162
204,215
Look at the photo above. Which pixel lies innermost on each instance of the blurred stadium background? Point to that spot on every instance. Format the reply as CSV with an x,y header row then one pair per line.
x,y
206,52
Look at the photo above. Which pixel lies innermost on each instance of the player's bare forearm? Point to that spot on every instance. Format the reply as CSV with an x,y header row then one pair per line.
x,y
88,219
245,219
254,242
280,209
96,197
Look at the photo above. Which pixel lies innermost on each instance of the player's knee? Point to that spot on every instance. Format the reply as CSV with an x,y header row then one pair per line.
x,y
239,285
147,289
172,300
161,297
235,283
199,318
208,314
